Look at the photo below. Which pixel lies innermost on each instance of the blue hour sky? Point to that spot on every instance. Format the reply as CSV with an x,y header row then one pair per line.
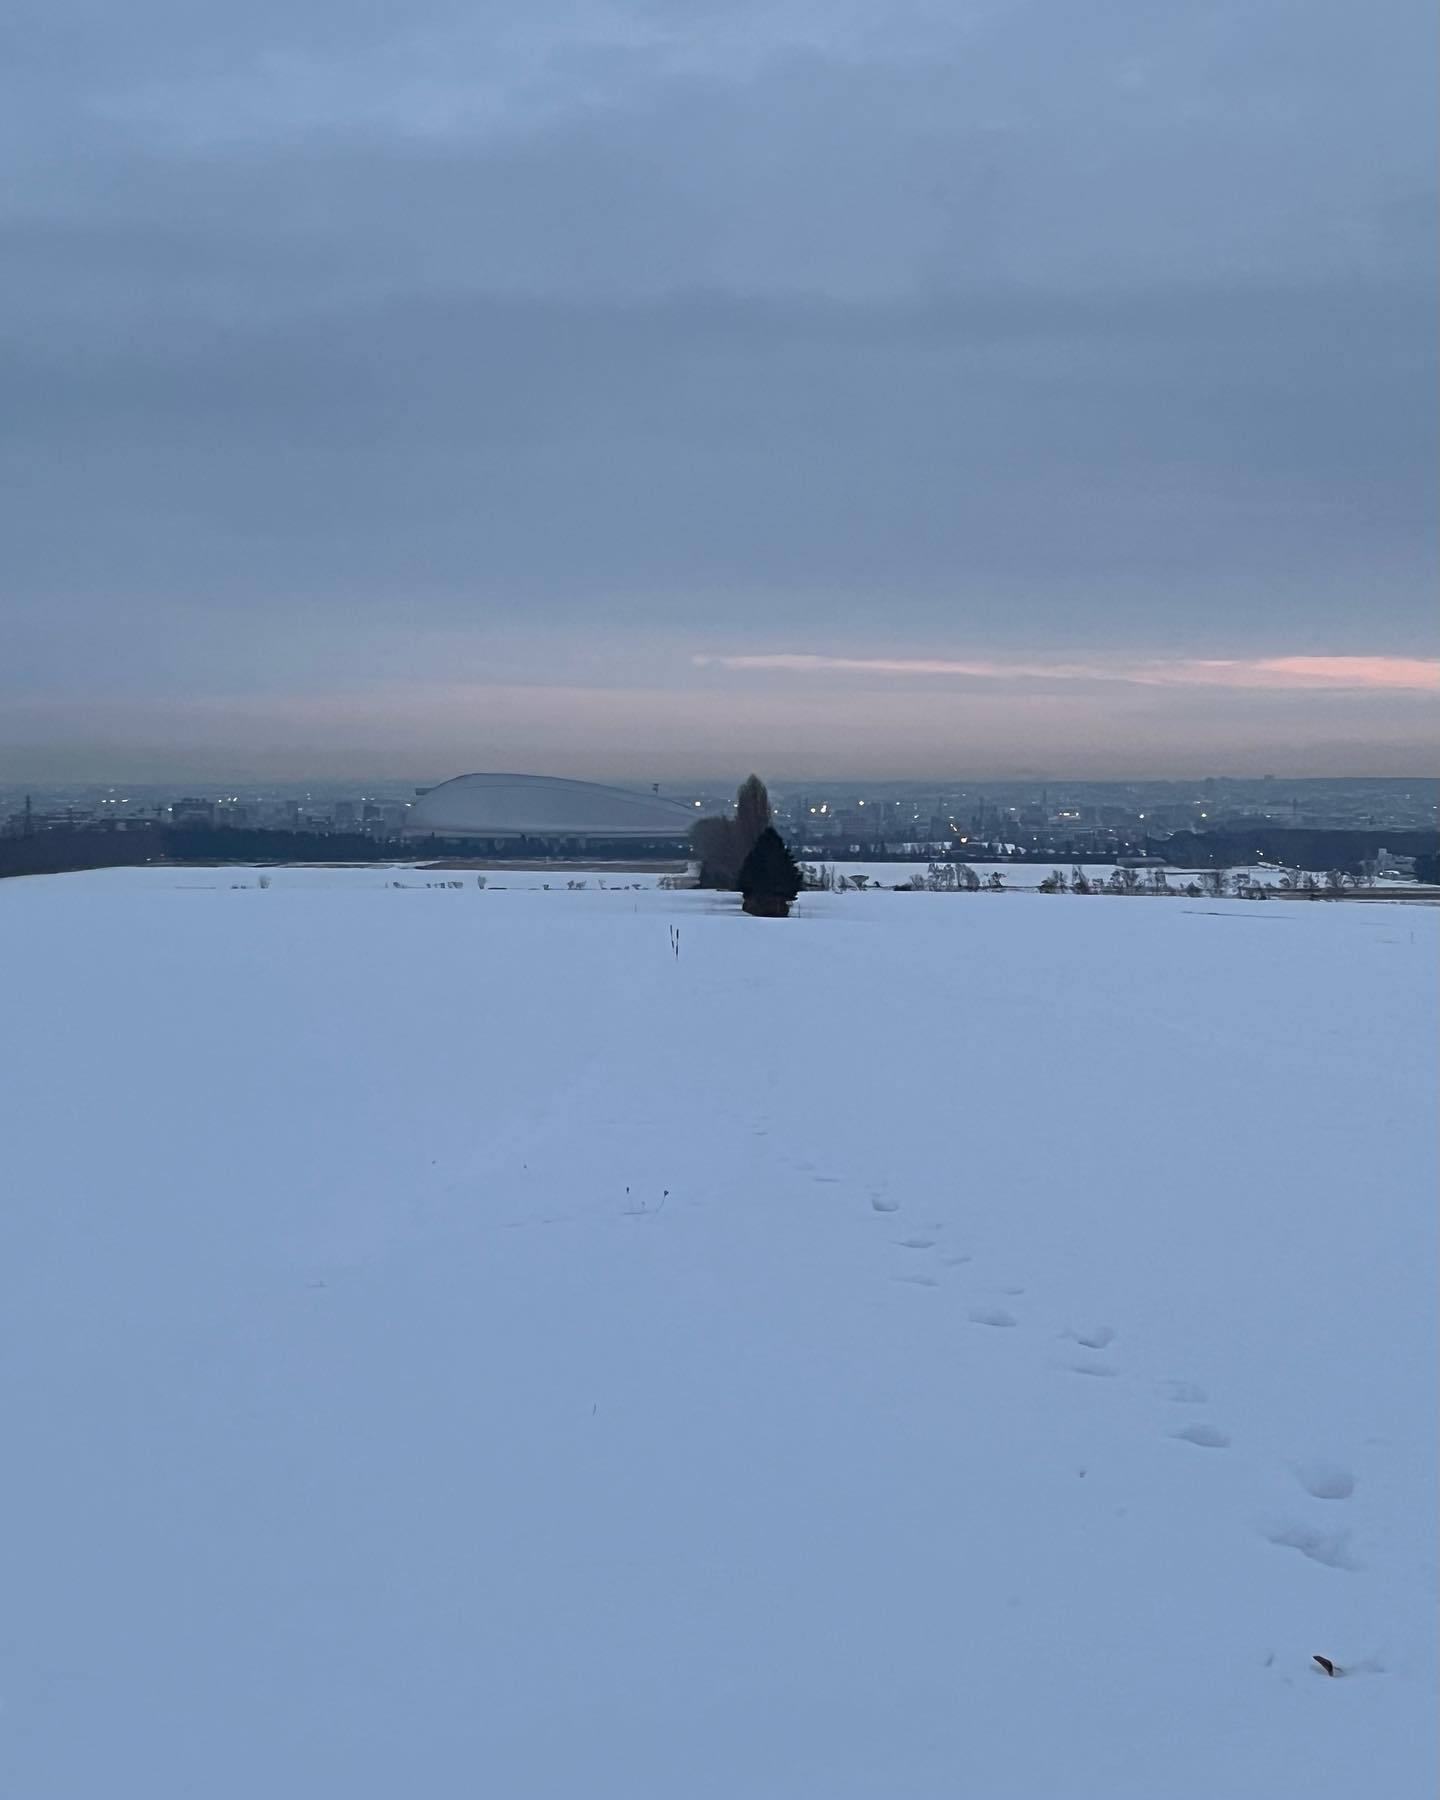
x,y
643,388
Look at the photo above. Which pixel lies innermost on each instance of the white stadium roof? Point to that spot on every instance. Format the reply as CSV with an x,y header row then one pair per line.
x,y
544,806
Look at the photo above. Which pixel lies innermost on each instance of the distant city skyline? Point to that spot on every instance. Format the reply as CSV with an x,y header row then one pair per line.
x,y
1344,823
616,385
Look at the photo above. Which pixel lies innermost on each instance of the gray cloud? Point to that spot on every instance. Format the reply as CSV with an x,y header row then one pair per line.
x,y
544,340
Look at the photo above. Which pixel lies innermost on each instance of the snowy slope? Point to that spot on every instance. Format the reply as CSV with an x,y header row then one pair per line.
x,y
453,1346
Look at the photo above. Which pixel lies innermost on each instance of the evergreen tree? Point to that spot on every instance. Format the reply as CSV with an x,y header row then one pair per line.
x,y
769,877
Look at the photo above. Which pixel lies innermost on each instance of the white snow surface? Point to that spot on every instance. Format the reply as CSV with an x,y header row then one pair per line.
x,y
452,1345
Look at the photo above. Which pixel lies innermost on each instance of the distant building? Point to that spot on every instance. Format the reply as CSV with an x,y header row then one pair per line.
x,y
1386,864
549,812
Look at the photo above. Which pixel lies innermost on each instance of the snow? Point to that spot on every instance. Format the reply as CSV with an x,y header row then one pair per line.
x,y
1030,875
453,1344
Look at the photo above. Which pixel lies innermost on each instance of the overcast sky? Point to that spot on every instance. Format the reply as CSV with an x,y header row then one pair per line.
x,y
963,386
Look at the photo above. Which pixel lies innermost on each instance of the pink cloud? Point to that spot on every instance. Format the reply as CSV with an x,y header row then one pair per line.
x,y
1410,674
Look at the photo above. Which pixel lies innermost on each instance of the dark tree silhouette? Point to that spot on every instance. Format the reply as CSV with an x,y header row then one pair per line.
x,y
769,877
752,815
713,842
721,845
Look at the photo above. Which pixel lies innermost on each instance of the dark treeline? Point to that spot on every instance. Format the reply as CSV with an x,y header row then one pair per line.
x,y
1296,846
1246,842
52,852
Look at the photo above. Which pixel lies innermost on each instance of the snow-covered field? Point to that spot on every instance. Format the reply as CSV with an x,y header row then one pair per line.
x,y
453,1345
575,877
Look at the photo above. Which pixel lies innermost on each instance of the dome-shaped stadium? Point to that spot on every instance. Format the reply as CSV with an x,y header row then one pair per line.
x,y
548,809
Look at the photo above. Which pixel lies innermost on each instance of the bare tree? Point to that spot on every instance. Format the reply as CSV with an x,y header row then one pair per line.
x,y
713,843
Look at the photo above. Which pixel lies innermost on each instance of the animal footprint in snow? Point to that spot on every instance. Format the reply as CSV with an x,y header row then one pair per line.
x,y
1206,1436
1332,1548
916,1243
1183,1393
991,1315
1325,1480
882,1203
1091,1365
1095,1337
